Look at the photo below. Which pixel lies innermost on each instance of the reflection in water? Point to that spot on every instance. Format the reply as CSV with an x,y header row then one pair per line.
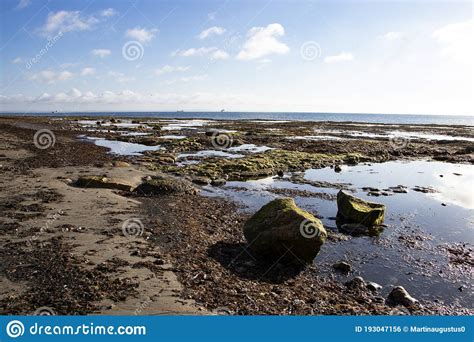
x,y
122,147
409,250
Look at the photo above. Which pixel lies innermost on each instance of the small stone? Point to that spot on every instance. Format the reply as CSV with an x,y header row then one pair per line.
x,y
374,287
400,296
342,266
357,282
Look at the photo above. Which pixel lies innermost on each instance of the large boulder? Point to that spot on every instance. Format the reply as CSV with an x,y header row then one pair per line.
x,y
280,229
161,185
351,209
103,182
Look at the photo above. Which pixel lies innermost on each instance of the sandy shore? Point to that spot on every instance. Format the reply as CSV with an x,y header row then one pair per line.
x,y
64,247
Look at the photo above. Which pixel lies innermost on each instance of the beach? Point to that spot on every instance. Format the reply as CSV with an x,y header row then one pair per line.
x,y
85,232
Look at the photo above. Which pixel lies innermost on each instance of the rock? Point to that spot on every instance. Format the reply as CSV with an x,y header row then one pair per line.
x,y
337,168
165,158
355,210
374,287
342,266
400,296
164,185
218,182
399,189
103,182
356,283
424,189
119,163
280,226
201,180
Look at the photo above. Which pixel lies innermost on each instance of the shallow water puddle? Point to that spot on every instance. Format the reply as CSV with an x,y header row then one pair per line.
x,y
122,147
392,134
411,250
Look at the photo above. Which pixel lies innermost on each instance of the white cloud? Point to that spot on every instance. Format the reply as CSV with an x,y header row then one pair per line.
x,y
141,34
22,4
212,52
67,21
101,52
109,12
120,77
393,35
457,41
169,69
342,57
88,72
262,41
215,30
17,60
50,76
193,78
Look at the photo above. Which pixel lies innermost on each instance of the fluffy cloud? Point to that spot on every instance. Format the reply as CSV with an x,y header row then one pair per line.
x,y
263,41
212,52
125,100
109,12
342,57
87,72
169,69
17,60
141,34
67,21
101,52
456,40
215,30
50,76
120,77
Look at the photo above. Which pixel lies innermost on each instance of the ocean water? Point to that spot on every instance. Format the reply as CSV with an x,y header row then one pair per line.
x,y
339,117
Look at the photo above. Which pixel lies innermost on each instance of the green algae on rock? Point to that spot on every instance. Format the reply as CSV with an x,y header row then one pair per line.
x,y
103,182
355,210
259,165
160,185
282,230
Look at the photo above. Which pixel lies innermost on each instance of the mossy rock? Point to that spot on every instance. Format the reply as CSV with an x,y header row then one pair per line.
x,y
281,230
103,182
165,185
352,209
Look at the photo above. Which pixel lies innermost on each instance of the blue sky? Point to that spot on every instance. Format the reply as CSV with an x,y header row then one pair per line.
x,y
319,56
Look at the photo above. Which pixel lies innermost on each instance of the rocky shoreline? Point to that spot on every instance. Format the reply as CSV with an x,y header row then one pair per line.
x,y
64,246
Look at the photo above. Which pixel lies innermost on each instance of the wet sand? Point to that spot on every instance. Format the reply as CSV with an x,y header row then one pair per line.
x,y
64,247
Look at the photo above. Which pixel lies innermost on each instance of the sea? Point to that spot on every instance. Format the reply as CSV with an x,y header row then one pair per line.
x,y
290,116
